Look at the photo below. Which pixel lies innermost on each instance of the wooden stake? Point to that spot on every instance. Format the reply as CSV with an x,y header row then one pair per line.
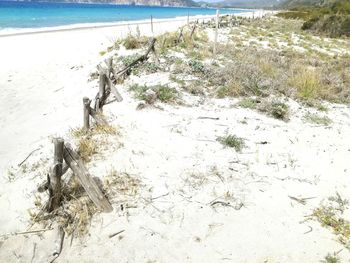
x,y
110,69
55,175
216,32
89,184
180,36
188,19
152,24
101,93
86,102
193,29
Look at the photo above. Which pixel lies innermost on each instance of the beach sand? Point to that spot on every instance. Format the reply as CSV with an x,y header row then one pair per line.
x,y
43,79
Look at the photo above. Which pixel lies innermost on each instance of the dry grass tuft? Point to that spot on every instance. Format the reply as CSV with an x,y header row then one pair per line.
x,y
91,142
134,42
121,185
307,82
74,214
87,147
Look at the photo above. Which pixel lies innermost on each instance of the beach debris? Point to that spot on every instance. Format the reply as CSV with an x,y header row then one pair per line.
x,y
115,234
34,251
237,206
28,157
300,200
58,244
208,118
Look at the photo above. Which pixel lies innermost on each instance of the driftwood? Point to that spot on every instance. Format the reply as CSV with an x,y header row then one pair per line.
x,y
28,157
55,176
88,183
115,234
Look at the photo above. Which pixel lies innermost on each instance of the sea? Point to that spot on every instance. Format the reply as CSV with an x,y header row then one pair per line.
x,y
33,15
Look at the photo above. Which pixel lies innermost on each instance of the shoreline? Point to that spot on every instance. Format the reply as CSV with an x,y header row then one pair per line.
x,y
87,26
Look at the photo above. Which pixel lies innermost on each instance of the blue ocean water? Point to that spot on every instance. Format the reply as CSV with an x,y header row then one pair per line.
x,y
38,14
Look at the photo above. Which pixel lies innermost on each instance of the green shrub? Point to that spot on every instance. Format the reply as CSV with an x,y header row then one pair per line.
x,y
196,66
316,119
232,141
279,110
248,103
151,94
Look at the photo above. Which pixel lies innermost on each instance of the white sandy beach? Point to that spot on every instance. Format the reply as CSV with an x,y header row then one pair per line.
x,y
43,78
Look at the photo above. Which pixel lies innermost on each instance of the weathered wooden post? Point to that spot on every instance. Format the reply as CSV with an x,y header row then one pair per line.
x,y
193,29
152,24
86,102
110,70
92,189
101,93
55,175
216,32
102,85
188,18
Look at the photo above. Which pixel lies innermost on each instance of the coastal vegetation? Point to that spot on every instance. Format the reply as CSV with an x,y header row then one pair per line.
x,y
262,78
331,18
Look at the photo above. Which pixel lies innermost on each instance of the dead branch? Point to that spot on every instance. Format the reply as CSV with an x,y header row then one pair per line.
x,y
28,157
115,234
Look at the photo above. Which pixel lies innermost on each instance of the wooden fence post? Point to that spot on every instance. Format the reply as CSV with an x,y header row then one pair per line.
x,y
55,175
216,32
193,29
101,93
86,102
152,24
102,85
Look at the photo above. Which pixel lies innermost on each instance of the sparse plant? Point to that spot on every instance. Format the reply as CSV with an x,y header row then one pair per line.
x,y
249,103
331,258
232,141
279,110
196,66
330,215
151,94
317,119
275,108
